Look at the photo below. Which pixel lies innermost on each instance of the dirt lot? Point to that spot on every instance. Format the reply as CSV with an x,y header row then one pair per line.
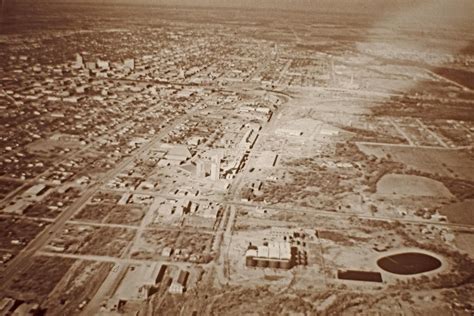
x,y
53,204
106,197
450,163
266,300
106,241
15,234
101,241
152,243
397,184
36,286
111,213
461,212
80,284
7,186
185,245
125,214
94,212
194,243
41,210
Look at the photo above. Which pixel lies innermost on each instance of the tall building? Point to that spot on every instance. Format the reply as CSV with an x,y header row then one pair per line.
x,y
200,169
215,168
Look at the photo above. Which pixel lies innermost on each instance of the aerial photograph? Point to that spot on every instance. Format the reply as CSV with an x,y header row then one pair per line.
x,y
237,157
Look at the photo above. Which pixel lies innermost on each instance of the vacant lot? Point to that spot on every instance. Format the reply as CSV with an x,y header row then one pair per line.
x,y
53,204
461,212
17,233
409,185
7,186
100,241
41,278
125,214
80,284
153,241
94,212
106,241
434,161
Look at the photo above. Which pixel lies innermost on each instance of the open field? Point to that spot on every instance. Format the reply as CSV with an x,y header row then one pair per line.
x,y
80,285
411,185
37,286
110,213
102,241
15,234
445,163
7,186
185,245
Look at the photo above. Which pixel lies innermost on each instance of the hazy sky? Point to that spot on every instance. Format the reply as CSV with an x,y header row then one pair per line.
x,y
464,8
296,4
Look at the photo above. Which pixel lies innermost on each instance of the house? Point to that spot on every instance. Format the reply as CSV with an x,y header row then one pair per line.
x,y
167,251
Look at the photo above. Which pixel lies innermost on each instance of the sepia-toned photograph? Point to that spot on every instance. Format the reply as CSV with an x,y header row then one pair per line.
x,y
236,157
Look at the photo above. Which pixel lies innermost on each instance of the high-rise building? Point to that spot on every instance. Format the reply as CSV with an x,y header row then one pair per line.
x,y
215,168
200,169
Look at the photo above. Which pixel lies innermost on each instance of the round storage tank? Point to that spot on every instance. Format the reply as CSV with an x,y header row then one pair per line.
x,y
250,262
262,263
286,265
274,264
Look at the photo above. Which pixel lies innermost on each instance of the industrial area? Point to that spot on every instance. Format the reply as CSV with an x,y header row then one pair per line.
x,y
154,163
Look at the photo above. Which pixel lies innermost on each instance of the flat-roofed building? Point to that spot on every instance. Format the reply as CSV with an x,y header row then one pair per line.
x,y
178,153
103,64
18,207
35,190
